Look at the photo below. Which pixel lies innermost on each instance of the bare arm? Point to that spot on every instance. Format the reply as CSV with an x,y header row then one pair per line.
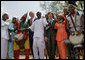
x,y
82,21
9,35
67,24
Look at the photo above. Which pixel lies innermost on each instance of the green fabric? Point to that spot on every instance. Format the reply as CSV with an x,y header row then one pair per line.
x,y
22,25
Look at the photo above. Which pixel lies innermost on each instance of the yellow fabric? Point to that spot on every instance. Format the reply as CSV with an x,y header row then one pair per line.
x,y
27,44
16,47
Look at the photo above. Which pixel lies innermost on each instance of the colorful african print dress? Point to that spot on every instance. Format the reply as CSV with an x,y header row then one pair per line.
x,y
26,48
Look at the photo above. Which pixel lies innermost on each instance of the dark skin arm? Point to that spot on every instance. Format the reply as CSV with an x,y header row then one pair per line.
x,y
45,35
67,24
82,21
67,27
9,36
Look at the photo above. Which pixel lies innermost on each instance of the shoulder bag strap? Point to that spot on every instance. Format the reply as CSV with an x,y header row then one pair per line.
x,y
73,22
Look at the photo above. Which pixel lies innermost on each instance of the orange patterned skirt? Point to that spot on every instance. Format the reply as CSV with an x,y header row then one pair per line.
x,y
62,49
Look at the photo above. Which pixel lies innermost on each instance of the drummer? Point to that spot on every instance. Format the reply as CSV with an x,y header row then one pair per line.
x,y
79,22
26,48
24,24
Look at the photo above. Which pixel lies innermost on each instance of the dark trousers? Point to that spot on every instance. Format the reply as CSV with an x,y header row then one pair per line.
x,y
73,52
31,41
51,48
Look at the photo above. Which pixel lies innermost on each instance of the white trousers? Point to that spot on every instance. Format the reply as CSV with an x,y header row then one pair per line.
x,y
4,43
38,46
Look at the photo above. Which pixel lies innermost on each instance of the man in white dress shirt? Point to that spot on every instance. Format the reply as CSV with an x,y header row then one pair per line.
x,y
38,37
4,36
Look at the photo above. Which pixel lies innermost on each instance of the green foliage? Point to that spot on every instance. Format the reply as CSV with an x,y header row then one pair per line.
x,y
55,6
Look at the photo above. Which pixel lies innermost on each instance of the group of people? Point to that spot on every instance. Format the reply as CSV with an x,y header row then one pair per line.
x,y
43,36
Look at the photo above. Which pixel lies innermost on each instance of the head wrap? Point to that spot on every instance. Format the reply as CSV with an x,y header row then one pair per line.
x,y
64,22
62,16
24,17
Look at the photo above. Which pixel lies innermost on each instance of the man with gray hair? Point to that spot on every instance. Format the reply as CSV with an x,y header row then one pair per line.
x,y
30,22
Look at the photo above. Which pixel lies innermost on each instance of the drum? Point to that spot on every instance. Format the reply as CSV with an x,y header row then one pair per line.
x,y
19,38
76,39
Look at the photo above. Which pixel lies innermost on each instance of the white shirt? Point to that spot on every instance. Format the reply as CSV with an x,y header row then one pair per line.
x,y
38,27
4,30
78,22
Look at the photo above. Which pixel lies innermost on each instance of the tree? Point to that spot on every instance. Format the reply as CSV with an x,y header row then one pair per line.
x,y
55,6
80,5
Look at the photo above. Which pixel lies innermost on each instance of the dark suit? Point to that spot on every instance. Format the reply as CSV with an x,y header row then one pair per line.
x,y
51,43
31,37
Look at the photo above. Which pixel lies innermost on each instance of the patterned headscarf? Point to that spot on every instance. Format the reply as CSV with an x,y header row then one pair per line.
x,y
62,16
24,17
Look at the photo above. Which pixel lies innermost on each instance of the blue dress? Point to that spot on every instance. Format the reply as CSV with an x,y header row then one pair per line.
x,y
11,44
